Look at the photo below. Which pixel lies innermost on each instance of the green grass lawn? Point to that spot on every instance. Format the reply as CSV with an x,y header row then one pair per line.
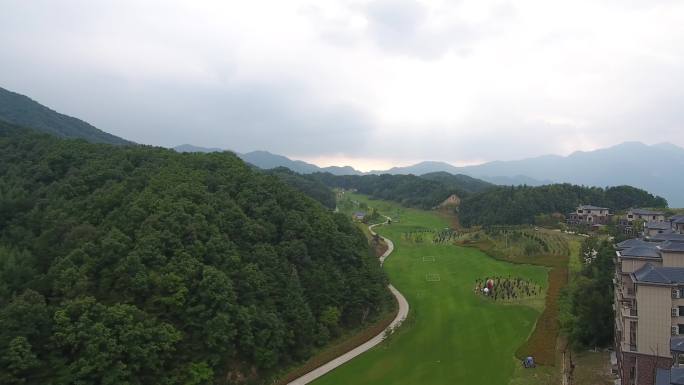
x,y
452,336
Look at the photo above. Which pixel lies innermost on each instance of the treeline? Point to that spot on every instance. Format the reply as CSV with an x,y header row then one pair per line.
x,y
512,205
461,182
140,265
586,304
310,186
409,190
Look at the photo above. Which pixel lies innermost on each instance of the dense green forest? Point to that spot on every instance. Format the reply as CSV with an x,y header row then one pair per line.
x,y
409,190
304,183
22,110
140,265
586,304
520,204
461,182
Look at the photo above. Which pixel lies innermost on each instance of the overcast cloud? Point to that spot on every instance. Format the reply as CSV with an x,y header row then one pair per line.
x,y
370,83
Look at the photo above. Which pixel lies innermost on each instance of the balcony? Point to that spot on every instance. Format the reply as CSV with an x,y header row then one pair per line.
x,y
629,312
626,295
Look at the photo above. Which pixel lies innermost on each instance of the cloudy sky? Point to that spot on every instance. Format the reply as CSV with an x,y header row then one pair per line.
x,y
366,83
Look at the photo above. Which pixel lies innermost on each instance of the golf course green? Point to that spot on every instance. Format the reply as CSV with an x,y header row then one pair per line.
x,y
452,335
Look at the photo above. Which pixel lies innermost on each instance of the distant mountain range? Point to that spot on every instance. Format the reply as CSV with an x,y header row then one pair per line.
x,y
23,111
657,168
267,161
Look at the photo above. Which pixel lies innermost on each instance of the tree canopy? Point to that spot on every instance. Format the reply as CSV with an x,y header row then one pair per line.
x,y
520,204
409,190
141,265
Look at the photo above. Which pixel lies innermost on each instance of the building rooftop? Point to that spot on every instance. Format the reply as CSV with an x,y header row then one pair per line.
x,y
672,246
590,207
644,251
635,242
659,275
672,376
646,212
677,218
655,225
673,237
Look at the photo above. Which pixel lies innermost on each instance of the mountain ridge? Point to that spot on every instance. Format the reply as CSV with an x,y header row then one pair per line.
x,y
652,167
21,110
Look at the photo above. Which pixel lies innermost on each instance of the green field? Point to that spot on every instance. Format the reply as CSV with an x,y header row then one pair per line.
x,y
452,335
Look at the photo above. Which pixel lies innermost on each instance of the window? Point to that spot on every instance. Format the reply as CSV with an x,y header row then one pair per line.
x,y
681,310
681,329
632,335
632,375
630,216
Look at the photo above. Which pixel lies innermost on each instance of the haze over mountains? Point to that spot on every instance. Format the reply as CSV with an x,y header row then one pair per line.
x,y
656,168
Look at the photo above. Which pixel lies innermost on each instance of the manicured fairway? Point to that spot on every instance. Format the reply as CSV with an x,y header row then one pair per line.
x,y
452,336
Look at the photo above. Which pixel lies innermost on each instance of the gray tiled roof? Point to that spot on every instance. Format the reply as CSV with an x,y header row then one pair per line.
x,y
658,225
590,207
660,275
677,218
646,212
667,237
645,251
635,242
672,376
672,246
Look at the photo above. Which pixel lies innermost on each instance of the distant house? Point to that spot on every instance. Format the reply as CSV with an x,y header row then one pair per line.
x,y
359,216
677,223
645,215
590,215
655,227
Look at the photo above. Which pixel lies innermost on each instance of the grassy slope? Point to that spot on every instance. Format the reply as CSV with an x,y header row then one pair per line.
x,y
452,335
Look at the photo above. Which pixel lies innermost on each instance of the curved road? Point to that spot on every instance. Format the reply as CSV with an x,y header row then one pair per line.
x,y
401,316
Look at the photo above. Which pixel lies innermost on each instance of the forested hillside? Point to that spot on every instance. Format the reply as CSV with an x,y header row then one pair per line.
x,y
21,110
141,265
409,190
458,181
520,204
310,186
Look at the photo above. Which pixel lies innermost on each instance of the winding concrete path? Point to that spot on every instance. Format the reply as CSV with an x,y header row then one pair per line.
x,y
368,345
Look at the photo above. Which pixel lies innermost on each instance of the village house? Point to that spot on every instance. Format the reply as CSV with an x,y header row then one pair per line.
x,y
677,223
590,215
652,228
645,215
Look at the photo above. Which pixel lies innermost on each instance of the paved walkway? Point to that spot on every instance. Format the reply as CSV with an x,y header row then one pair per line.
x,y
339,361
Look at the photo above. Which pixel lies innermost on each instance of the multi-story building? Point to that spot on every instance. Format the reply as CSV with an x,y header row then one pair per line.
x,y
675,374
649,298
590,215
